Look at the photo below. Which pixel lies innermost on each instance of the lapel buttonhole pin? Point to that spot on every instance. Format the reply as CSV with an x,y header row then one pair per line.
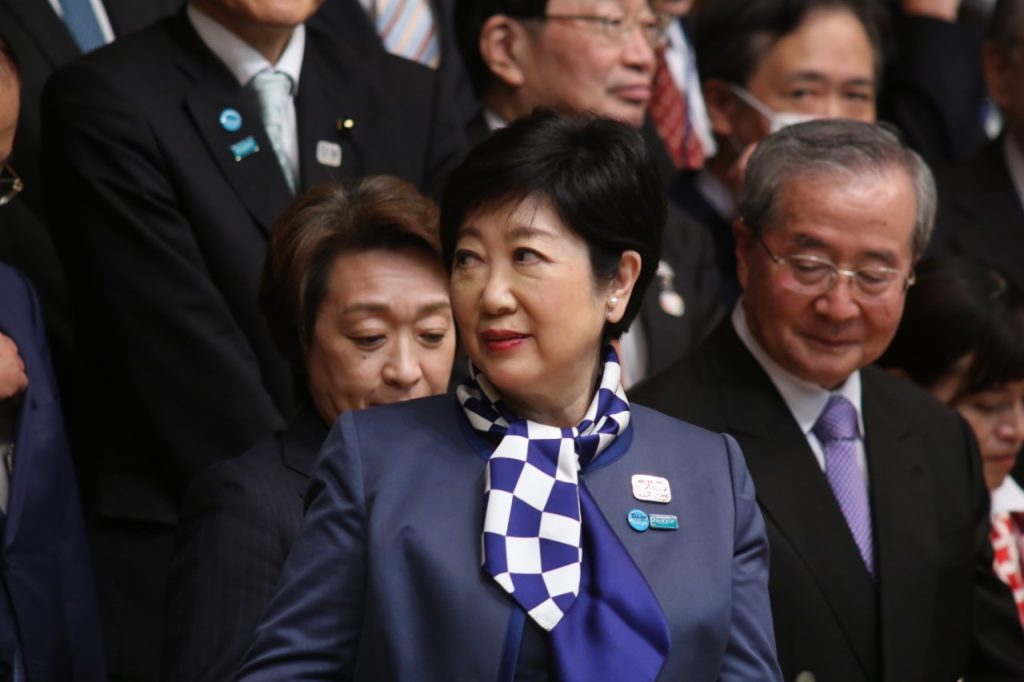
x,y
328,154
231,120
244,148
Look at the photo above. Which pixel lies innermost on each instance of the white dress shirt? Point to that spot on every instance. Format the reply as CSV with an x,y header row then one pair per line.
x,y
805,400
245,62
1008,497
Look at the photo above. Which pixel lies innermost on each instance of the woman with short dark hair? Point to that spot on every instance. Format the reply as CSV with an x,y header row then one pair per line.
x,y
355,294
962,339
535,526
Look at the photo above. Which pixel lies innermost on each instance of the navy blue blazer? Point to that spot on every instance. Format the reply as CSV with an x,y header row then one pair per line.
x,y
384,582
46,567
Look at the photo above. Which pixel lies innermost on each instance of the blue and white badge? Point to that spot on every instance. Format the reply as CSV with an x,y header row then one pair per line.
x,y
231,120
244,148
664,522
638,520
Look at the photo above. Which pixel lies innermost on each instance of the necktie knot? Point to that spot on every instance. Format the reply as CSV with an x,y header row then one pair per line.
x,y
838,421
272,86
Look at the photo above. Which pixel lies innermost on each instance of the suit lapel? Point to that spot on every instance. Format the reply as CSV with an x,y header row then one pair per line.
x,y
46,29
904,549
794,494
255,177
329,101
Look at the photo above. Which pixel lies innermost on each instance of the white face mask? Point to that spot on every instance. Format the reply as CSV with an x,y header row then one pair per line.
x,y
777,120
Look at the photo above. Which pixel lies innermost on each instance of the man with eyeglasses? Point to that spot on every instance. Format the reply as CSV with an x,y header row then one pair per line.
x,y
596,56
871,490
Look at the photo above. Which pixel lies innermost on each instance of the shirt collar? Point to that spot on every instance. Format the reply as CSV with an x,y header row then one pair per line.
x,y
242,59
1014,163
804,399
717,194
1008,497
493,120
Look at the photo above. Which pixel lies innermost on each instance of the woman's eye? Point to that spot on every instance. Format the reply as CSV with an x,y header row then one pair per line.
x,y
463,258
525,256
368,342
433,338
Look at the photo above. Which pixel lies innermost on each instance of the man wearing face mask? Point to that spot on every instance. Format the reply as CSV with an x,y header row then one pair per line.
x,y
763,66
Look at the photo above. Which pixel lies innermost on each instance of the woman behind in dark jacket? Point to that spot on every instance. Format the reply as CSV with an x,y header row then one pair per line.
x,y
355,293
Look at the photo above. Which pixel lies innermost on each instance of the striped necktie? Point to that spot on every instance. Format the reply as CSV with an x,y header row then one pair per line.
x,y
274,89
82,23
406,28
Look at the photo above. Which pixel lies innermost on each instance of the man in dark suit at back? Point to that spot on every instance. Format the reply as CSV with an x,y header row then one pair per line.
x,y
47,35
871,490
173,151
597,56
981,199
375,21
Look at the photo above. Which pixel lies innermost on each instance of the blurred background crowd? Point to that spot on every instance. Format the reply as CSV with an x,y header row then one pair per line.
x,y
219,232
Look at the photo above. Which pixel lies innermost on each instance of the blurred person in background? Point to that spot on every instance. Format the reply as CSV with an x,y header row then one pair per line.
x,y
356,294
962,339
981,199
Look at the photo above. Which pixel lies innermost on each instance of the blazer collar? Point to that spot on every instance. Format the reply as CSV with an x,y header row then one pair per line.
x,y
794,493
253,173
906,544
47,30
301,441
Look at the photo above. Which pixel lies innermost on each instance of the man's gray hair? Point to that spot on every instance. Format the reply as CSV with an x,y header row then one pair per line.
x,y
832,147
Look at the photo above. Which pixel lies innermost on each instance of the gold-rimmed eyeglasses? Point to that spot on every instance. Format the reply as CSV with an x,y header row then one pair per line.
x,y
616,30
807,274
10,184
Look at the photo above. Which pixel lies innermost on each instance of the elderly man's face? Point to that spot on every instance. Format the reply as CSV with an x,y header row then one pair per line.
x,y
577,66
854,222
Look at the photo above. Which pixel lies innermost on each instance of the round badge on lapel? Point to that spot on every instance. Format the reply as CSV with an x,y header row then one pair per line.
x,y
638,520
231,120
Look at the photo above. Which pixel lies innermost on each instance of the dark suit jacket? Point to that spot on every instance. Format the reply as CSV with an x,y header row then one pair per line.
x,y
46,568
163,232
936,611
933,87
980,214
42,44
687,197
239,519
348,21
384,582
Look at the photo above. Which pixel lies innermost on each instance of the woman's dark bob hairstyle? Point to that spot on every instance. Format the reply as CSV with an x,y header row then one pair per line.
x,y
960,308
594,173
377,212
